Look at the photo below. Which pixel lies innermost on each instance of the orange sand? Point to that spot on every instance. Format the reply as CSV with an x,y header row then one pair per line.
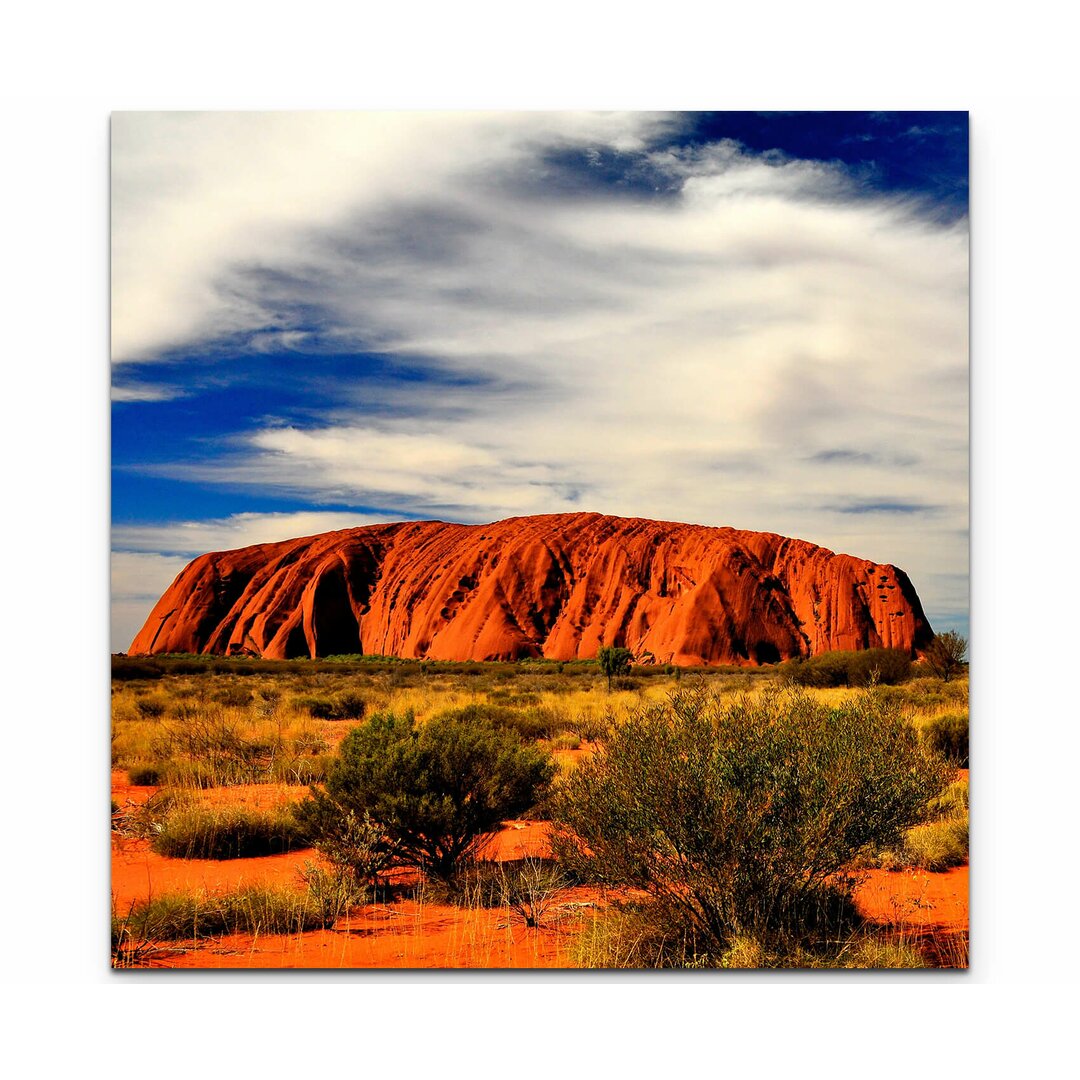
x,y
928,909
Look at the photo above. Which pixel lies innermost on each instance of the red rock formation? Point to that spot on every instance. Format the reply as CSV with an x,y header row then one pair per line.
x,y
556,586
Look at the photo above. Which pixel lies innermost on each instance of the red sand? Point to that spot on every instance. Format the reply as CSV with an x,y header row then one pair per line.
x,y
406,935
928,909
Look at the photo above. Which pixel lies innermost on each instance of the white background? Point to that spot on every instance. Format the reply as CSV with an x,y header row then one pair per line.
x,y
67,66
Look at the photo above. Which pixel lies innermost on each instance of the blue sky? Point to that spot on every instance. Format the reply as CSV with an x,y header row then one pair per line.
x,y
757,320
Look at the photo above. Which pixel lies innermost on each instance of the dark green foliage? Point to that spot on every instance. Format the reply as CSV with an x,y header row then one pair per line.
x,y
126,670
352,843
614,660
347,706
855,667
145,775
437,791
235,697
945,654
948,736
530,723
742,815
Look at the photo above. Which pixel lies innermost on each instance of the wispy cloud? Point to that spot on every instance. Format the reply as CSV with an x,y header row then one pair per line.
x,y
727,338
191,538
146,392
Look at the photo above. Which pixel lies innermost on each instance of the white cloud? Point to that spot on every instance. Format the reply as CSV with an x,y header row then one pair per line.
x,y
195,194
239,530
770,349
146,392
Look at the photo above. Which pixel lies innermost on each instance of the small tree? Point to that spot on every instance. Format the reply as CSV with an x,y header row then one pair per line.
x,y
739,817
945,654
436,792
614,660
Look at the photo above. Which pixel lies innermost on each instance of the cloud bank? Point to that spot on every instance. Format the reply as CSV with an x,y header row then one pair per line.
x,y
712,336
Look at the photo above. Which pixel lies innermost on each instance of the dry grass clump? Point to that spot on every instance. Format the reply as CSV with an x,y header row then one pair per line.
x,y
937,844
638,935
226,832
213,745
252,909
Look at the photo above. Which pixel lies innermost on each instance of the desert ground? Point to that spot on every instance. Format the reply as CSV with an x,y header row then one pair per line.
x,y
209,869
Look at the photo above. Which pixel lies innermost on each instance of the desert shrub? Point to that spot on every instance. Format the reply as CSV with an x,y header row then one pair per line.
x,y
528,888
232,832
952,803
945,654
591,728
741,815
150,708
144,819
233,697
935,846
209,748
348,706
437,792
352,843
125,669
624,682
531,723
886,667
511,697
853,667
145,775
948,736
531,887
332,892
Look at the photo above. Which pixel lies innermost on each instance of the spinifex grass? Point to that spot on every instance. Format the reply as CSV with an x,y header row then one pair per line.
x,y
226,832
937,844
253,909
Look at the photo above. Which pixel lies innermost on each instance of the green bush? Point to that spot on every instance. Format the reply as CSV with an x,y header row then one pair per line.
x,y
741,816
945,655
948,736
854,667
437,792
530,723
352,843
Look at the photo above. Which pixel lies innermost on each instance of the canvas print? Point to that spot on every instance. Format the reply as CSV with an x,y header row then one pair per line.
x,y
539,540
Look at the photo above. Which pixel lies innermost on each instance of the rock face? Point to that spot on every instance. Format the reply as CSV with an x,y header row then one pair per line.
x,y
555,586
